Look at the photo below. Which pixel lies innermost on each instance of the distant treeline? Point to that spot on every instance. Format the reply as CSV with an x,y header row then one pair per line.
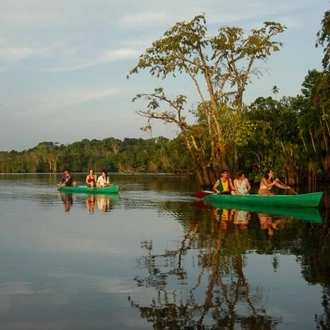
x,y
131,155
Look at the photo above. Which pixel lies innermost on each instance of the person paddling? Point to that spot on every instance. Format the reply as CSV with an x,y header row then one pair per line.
x,y
268,182
67,180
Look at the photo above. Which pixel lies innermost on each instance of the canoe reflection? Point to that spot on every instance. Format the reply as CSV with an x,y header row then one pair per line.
x,y
308,214
241,218
271,219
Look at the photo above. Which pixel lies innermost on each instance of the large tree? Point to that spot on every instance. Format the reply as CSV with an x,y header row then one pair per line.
x,y
220,67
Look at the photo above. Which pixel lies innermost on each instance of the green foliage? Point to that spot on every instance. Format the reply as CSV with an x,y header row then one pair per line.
x,y
130,155
239,129
323,40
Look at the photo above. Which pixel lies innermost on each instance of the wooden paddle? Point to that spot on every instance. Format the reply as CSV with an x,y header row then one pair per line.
x,y
202,193
286,186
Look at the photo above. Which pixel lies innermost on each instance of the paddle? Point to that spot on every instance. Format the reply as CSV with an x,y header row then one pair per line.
x,y
202,194
286,186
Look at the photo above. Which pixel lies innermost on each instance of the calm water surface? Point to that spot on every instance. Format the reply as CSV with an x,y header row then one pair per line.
x,y
152,257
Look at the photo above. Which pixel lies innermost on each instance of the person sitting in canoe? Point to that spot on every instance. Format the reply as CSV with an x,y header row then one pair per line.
x,y
91,179
268,182
224,185
242,184
67,180
103,180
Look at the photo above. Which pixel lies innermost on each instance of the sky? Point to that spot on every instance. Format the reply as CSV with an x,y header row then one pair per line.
x,y
63,63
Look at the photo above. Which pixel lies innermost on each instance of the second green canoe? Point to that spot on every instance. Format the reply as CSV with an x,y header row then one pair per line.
x,y
302,200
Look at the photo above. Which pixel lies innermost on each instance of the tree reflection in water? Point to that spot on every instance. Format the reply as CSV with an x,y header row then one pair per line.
x,y
316,263
220,297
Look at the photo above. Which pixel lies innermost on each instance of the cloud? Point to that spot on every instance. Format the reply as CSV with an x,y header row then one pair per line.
x,y
70,97
106,56
254,13
60,51
62,37
21,53
143,19
20,50
53,103
30,13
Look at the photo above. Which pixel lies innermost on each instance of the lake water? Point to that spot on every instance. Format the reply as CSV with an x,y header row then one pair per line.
x,y
155,258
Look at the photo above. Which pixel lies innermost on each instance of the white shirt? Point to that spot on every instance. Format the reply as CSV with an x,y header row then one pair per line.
x,y
242,187
102,182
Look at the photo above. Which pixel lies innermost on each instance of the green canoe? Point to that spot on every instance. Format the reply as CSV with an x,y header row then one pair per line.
x,y
301,201
87,190
308,213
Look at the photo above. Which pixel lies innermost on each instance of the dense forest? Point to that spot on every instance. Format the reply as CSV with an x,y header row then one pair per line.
x,y
128,156
290,134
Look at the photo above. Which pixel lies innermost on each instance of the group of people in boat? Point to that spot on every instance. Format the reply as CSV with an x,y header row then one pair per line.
x,y
224,185
92,180
241,185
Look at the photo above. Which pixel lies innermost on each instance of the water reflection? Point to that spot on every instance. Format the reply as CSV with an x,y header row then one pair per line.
x,y
308,214
241,218
93,202
268,225
103,203
220,295
90,203
181,267
67,200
